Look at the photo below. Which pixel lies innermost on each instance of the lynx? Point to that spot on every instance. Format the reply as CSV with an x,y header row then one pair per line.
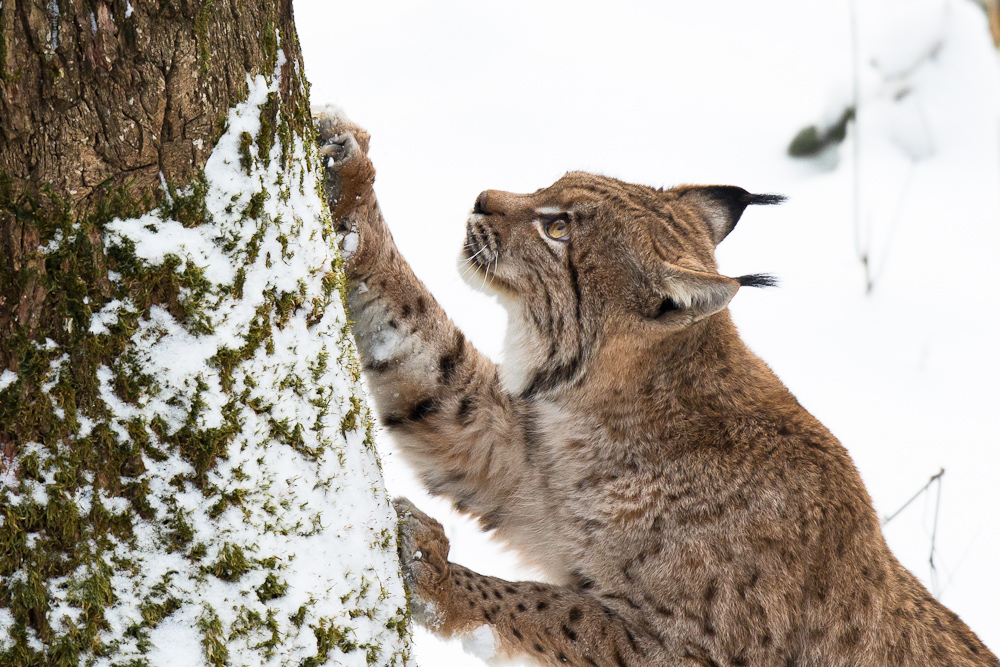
x,y
685,508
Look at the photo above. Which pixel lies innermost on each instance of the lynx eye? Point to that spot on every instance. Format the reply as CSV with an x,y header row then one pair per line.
x,y
557,229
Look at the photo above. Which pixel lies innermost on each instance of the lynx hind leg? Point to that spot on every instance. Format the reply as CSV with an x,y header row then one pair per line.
x,y
554,625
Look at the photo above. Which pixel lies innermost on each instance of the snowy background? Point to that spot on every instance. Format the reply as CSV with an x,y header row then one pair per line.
x,y
462,96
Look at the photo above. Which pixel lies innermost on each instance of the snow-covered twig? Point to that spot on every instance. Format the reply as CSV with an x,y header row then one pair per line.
x,y
935,586
936,476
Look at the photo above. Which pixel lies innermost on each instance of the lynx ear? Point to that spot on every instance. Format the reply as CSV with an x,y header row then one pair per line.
x,y
688,296
722,205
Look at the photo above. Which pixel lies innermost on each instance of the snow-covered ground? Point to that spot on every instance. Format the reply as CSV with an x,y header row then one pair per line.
x,y
463,96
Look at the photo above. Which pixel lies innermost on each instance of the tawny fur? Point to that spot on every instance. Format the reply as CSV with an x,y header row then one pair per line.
x,y
685,507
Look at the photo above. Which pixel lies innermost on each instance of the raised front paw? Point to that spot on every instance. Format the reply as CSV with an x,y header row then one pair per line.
x,y
423,551
343,147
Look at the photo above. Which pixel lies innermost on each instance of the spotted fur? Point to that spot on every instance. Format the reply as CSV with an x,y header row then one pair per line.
x,y
685,508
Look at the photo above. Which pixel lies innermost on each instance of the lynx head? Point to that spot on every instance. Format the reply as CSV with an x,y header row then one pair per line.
x,y
590,256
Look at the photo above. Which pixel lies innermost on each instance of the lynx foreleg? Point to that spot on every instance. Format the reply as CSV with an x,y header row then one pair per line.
x,y
455,424
554,625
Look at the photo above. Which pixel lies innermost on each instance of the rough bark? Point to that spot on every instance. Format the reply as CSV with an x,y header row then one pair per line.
x,y
93,103
158,188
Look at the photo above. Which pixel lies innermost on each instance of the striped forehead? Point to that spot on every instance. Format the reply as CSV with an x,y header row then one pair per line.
x,y
577,188
641,208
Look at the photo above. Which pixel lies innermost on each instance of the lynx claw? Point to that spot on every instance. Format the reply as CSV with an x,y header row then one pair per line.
x,y
338,149
423,552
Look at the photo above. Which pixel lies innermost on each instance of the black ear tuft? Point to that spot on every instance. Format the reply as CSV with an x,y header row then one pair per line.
x,y
722,205
757,280
765,200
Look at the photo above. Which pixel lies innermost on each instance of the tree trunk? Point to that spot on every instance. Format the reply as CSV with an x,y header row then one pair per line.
x,y
187,472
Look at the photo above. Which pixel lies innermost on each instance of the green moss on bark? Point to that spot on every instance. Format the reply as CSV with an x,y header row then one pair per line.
x,y
201,32
4,76
42,537
213,638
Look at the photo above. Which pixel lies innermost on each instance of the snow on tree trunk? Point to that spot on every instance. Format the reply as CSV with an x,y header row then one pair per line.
x,y
187,471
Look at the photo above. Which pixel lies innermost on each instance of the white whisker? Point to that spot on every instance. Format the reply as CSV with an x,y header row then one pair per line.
x,y
468,260
472,257
464,271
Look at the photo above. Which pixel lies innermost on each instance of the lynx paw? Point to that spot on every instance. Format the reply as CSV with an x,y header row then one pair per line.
x,y
343,146
423,551
331,121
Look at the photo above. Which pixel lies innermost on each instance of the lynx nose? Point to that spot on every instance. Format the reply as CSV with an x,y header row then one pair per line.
x,y
481,203
494,202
